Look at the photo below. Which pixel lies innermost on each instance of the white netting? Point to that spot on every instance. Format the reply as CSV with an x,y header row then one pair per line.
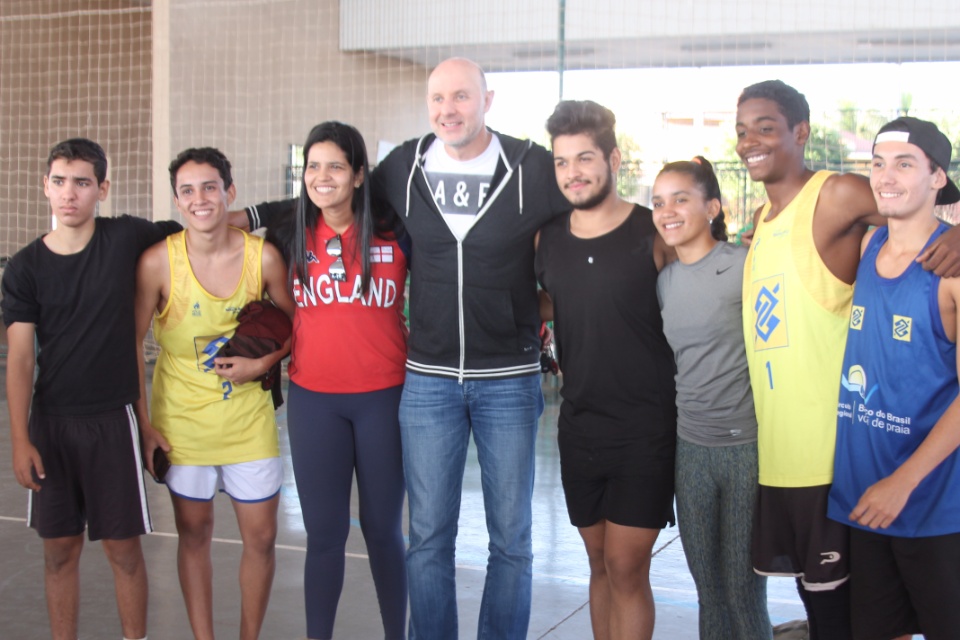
x,y
69,69
147,79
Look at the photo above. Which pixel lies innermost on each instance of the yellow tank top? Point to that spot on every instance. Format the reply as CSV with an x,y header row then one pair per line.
x,y
795,315
207,419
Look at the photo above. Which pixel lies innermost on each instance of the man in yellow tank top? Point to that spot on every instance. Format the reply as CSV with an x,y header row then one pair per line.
x,y
797,288
208,413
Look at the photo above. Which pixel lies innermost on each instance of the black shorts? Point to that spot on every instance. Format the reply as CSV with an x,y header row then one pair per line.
x,y
900,586
93,476
615,480
792,536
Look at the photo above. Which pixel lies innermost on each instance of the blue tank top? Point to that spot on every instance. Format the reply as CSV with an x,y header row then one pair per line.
x,y
899,376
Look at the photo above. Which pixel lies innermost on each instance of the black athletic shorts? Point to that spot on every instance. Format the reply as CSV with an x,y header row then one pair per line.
x,y
93,476
615,480
792,536
900,586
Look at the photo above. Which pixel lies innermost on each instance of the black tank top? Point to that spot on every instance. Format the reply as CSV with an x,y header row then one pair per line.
x,y
618,370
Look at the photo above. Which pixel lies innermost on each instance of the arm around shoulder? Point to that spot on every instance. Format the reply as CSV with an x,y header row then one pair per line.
x,y
150,232
264,214
845,208
943,255
386,181
846,204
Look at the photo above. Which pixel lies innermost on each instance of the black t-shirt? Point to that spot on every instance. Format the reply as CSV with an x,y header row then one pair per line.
x,y
618,369
82,306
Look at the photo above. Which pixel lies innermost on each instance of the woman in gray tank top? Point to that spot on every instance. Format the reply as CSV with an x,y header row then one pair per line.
x,y
716,465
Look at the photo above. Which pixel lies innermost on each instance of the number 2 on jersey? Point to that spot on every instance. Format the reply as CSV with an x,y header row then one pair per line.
x,y
228,388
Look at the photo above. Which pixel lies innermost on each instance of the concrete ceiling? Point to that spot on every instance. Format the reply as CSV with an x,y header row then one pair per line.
x,y
751,49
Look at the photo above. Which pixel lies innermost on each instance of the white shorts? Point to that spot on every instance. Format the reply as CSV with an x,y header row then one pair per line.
x,y
254,481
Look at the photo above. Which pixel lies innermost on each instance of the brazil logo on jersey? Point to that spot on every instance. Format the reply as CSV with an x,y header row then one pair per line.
x,y
856,317
770,319
855,380
207,348
902,326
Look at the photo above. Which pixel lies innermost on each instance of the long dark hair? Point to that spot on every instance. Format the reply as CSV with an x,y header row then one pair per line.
x,y
702,173
307,214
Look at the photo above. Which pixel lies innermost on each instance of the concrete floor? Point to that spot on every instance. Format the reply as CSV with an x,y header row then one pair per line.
x,y
560,610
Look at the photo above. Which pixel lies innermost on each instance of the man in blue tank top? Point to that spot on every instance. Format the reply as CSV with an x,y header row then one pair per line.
x,y
897,467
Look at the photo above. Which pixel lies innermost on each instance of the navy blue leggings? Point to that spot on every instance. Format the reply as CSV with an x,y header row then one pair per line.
x,y
330,436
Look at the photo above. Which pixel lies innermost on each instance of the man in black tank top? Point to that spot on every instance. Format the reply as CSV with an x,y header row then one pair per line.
x,y
598,266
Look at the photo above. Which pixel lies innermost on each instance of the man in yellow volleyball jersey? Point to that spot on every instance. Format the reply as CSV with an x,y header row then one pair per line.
x,y
797,291
207,412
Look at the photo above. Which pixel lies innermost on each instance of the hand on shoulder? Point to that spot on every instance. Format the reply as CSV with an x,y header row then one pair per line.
x,y
943,255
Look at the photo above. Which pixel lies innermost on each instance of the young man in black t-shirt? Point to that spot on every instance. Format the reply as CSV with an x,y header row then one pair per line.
x,y
76,445
617,428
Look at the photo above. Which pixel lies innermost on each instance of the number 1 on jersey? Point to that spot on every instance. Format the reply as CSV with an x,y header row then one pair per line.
x,y
769,374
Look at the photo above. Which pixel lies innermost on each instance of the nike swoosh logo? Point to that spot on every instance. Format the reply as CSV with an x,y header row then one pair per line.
x,y
719,271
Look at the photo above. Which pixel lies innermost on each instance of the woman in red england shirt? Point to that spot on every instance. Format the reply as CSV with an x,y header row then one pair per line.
x,y
349,351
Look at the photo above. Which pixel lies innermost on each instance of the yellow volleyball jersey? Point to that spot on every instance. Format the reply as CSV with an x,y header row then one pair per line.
x,y
206,418
795,315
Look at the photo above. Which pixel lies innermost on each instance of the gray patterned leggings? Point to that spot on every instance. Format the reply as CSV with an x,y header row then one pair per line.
x,y
716,495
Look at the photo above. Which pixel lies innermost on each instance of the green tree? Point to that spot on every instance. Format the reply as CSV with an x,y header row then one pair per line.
x,y
906,101
848,115
825,148
864,123
628,178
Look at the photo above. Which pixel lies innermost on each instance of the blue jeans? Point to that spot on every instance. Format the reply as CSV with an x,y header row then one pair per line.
x,y
436,418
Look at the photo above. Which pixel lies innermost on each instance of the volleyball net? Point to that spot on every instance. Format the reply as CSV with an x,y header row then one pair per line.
x,y
147,79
